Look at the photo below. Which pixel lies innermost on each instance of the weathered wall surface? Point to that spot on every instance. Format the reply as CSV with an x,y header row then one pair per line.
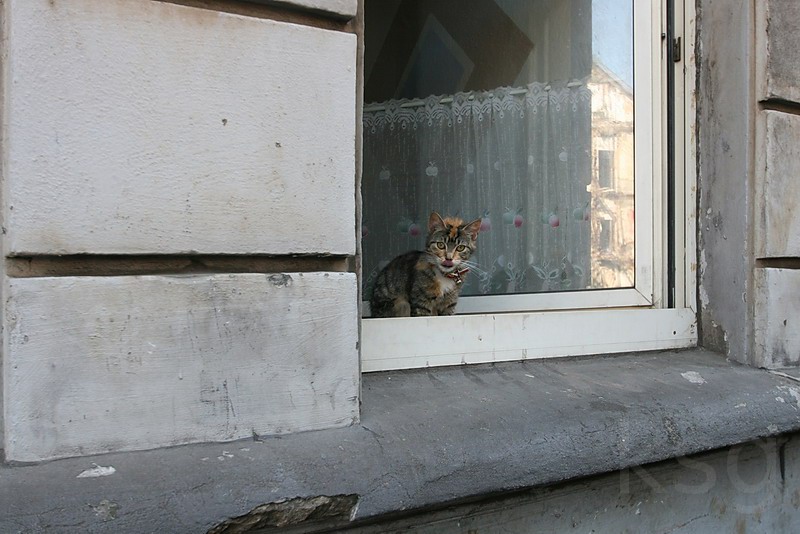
x,y
120,363
725,137
430,438
777,193
777,309
139,130
776,224
202,132
749,134
778,50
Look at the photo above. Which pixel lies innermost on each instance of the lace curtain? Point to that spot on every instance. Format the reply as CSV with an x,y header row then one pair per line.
x,y
519,158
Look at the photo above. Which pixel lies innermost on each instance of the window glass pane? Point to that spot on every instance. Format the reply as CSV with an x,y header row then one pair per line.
x,y
605,167
516,111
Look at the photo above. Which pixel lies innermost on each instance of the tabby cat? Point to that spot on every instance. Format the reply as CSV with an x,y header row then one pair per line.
x,y
427,282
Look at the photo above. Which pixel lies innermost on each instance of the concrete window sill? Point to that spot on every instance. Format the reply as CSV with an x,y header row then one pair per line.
x,y
427,438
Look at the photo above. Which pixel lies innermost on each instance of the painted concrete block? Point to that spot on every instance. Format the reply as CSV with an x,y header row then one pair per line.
x,y
339,8
149,127
778,49
97,364
777,232
777,312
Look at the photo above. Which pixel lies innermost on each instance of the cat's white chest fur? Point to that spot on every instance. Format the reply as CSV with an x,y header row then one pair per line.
x,y
446,285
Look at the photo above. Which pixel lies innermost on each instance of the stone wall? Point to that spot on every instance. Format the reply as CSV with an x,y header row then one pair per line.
x,y
749,163
184,179
724,144
776,220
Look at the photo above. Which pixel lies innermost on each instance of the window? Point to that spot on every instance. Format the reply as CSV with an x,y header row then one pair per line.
x,y
546,119
605,168
605,236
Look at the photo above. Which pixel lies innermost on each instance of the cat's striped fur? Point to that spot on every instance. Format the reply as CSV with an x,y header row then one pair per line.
x,y
427,282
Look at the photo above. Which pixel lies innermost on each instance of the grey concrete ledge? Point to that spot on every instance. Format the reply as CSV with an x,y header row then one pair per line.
x,y
427,438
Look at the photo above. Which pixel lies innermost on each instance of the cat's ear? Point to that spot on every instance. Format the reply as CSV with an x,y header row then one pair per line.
x,y
473,228
435,222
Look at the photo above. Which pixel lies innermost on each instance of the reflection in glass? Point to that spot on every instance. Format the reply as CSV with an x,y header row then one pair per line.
x,y
517,111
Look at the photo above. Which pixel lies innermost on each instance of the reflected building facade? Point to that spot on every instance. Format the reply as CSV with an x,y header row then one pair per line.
x,y
612,185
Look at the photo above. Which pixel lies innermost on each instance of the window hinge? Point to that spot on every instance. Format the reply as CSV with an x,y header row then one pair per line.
x,y
677,54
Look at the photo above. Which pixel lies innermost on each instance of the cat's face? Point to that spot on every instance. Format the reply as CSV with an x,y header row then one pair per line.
x,y
450,241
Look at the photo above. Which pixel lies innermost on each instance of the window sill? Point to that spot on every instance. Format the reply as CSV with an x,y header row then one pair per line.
x,y
420,342
427,438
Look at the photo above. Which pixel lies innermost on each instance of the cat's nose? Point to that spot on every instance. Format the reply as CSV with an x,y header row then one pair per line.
x,y
447,263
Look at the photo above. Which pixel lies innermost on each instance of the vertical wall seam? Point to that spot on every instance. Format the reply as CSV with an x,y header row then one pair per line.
x,y
753,117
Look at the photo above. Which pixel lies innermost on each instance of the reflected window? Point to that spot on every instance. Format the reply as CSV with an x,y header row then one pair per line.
x,y
605,236
605,168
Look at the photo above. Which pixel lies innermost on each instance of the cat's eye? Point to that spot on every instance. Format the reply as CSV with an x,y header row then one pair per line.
x,y
460,248
440,245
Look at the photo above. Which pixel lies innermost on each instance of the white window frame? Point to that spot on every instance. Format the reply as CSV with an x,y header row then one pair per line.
x,y
543,325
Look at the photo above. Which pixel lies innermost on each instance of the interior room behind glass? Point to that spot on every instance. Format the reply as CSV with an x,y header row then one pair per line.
x,y
516,111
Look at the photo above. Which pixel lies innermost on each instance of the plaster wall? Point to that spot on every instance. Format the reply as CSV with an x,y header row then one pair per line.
x,y
777,307
122,363
748,165
776,224
778,50
139,130
147,127
725,161
777,221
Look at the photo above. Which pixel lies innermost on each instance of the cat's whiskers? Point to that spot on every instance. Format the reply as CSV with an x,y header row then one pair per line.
x,y
472,266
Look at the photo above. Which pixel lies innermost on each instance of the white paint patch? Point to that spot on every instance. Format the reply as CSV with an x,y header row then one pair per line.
x,y
530,376
354,511
772,429
741,405
97,471
780,399
704,298
795,393
694,377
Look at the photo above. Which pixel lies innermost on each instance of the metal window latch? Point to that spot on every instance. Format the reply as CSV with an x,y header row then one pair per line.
x,y
677,53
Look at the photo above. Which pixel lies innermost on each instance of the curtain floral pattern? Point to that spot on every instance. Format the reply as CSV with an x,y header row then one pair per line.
x,y
519,158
